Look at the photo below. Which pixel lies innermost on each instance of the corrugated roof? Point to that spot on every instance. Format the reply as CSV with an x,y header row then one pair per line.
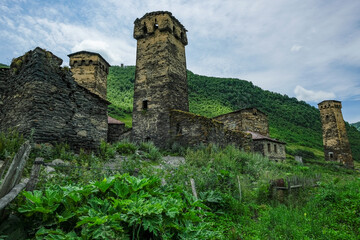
x,y
114,121
258,136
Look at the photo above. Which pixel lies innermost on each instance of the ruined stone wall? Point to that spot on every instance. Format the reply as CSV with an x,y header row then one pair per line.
x,y
90,70
249,119
115,132
335,140
43,96
160,77
188,129
272,150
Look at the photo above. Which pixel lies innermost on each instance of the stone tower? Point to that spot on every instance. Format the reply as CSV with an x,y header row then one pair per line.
x,y
90,70
335,140
160,78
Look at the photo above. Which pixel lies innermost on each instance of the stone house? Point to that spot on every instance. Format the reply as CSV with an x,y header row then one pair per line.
x,y
247,119
255,122
116,129
42,97
269,147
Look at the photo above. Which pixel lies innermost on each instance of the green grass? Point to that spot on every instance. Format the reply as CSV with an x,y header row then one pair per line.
x,y
93,198
3,65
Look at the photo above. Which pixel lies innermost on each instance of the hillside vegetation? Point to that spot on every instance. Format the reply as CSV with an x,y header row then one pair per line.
x,y
3,65
295,122
128,191
357,125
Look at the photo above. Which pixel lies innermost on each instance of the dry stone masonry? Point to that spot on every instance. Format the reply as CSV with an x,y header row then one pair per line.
x,y
335,140
90,70
160,78
42,96
161,105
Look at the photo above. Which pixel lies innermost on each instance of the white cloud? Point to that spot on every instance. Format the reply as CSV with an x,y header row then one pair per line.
x,y
312,96
279,45
296,48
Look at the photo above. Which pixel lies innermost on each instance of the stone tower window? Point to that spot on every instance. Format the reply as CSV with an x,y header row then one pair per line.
x,y
269,147
90,62
156,25
145,105
174,29
331,155
182,35
82,62
275,148
75,63
178,129
145,28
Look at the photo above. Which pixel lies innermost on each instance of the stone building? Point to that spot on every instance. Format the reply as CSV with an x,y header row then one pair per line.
x,y
247,119
269,147
335,140
116,129
160,112
255,122
43,97
90,70
160,77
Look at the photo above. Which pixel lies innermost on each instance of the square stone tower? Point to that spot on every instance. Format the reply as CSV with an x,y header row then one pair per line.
x,y
160,78
335,140
90,70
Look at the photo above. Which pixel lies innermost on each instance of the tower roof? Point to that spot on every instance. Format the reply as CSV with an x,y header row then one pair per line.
x,y
327,101
91,53
158,13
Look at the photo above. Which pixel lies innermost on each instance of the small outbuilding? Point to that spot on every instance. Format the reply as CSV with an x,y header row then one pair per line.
x,y
268,147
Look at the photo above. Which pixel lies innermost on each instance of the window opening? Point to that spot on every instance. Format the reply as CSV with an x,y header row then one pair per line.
x,y
331,155
275,148
144,29
145,105
178,129
269,147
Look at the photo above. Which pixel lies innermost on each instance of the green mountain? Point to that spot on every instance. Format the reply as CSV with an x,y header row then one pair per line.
x,y
357,125
3,65
295,122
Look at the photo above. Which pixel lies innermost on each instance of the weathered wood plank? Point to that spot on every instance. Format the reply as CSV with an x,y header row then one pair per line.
x,y
4,201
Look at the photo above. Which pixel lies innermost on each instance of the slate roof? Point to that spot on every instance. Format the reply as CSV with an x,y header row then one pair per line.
x,y
258,136
114,121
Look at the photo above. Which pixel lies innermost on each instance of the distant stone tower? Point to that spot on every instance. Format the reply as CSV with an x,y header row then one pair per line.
x,y
90,70
160,78
335,140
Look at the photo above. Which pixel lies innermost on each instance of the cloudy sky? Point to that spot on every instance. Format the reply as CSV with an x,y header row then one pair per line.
x,y
308,49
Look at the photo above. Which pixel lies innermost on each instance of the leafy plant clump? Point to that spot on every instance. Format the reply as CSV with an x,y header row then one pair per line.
x,y
118,207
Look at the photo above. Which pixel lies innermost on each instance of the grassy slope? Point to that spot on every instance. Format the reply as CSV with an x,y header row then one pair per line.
x,y
3,65
290,120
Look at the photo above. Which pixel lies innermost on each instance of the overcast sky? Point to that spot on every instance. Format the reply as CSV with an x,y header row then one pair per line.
x,y
308,49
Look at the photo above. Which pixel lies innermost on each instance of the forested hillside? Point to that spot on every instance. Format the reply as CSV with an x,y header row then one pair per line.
x,y
357,125
3,65
290,120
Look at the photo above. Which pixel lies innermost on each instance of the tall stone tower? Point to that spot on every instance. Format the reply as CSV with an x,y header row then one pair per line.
x,y
90,70
335,140
160,78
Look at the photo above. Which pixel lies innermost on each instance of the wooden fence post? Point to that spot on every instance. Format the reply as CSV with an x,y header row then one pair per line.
x,y
193,188
34,176
13,175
